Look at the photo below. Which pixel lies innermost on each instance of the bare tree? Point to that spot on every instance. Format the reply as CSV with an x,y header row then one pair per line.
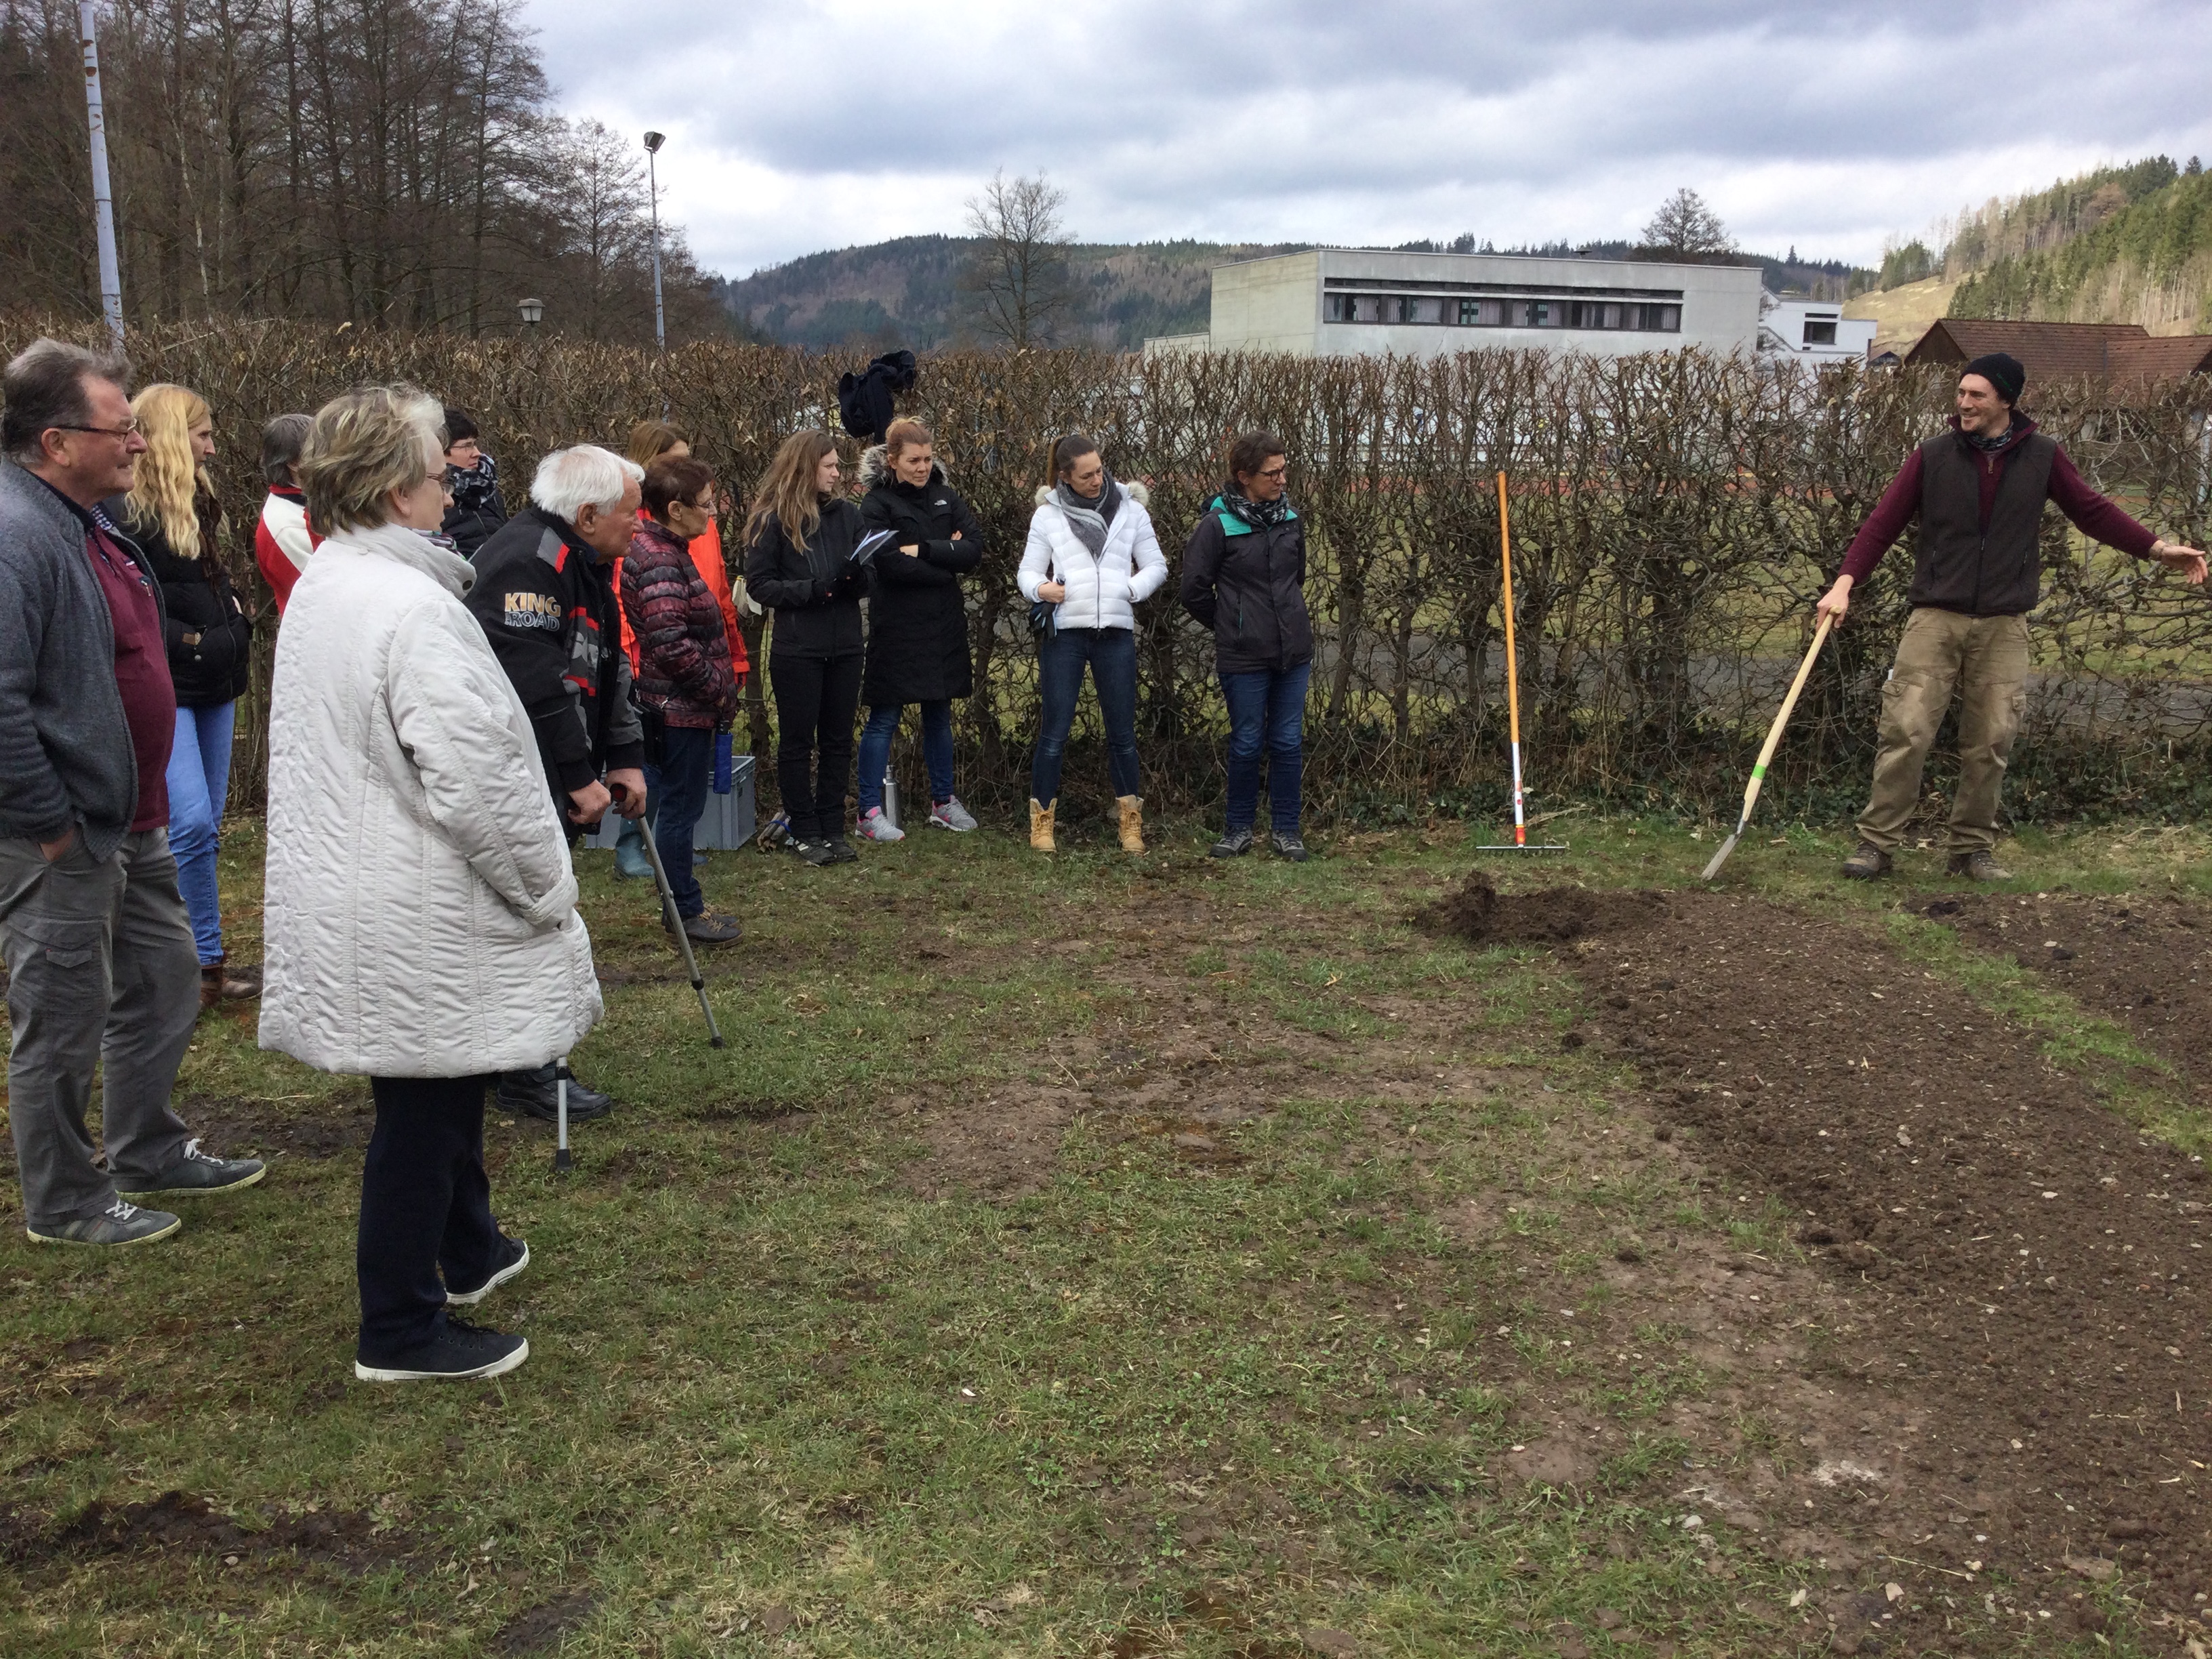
x,y
1684,224
1016,279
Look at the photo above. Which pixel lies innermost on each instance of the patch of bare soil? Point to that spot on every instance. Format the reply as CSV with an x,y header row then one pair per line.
x,y
179,1522
2144,962
1478,913
237,1128
1004,1145
540,1629
2017,1268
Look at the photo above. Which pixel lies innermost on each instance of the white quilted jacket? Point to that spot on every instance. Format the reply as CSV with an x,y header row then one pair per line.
x,y
420,914
1103,591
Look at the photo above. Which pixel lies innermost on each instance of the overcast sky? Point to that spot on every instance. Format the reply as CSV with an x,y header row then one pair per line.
x,y
797,126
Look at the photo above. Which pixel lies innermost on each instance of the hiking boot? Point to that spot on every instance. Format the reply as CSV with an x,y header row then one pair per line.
x,y
950,814
1976,866
196,1173
119,1224
840,850
1132,822
1289,844
874,826
707,928
1041,838
211,985
1233,844
460,1350
1869,863
816,852
537,1094
233,981
513,1256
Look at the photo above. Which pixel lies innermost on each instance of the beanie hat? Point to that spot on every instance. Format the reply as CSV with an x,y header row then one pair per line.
x,y
2002,370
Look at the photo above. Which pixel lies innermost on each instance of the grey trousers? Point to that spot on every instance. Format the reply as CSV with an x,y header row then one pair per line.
x,y
101,968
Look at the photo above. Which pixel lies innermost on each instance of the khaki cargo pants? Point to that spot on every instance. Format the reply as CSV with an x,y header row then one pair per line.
x,y
1986,658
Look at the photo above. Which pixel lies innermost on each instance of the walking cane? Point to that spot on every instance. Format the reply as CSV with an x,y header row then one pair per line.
x,y
1513,692
1773,742
676,924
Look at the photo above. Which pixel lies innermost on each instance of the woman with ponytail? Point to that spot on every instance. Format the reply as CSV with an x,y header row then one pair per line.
x,y
173,514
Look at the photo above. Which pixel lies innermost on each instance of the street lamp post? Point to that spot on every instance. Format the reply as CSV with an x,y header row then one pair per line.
x,y
653,141
531,311
103,201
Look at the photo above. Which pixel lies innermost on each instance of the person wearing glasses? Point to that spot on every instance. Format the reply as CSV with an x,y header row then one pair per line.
x,y
1244,576
101,970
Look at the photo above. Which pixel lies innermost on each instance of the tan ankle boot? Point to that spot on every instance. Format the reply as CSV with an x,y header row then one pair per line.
x,y
1132,822
1041,828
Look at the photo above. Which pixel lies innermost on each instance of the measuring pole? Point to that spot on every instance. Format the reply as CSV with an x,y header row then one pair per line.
x,y
103,200
1512,668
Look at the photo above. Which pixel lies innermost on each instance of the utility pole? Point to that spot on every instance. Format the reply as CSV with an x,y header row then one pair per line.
x,y
103,200
653,141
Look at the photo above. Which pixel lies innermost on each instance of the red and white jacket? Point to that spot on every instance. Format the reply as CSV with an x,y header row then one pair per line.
x,y
282,541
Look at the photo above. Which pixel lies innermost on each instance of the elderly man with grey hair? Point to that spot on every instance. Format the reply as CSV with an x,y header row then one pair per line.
x,y
101,972
542,593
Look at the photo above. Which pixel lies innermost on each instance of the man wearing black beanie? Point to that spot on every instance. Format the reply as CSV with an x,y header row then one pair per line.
x,y
1979,492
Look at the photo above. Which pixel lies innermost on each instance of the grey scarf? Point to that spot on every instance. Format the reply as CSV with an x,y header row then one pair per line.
x,y
1088,518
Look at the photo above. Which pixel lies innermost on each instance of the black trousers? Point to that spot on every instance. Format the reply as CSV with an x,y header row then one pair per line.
x,y
817,699
425,1204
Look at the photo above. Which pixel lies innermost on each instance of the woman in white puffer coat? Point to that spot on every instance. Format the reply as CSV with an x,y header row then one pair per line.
x,y
1092,558
420,910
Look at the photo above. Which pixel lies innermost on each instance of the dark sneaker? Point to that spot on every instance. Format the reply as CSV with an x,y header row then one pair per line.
x,y
1290,846
707,928
119,1224
461,1350
1233,844
840,850
196,1175
534,1094
1869,863
513,1257
816,852
1976,866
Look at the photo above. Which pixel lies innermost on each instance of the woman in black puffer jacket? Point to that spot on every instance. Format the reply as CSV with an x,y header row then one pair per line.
x,y
917,620
800,542
173,514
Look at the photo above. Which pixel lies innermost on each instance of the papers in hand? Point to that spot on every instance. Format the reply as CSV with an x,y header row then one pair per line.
x,y
871,545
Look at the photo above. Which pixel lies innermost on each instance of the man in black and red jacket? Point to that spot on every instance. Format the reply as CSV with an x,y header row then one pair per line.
x,y
1978,491
542,596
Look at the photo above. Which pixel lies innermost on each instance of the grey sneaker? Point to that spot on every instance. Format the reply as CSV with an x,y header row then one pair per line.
x,y
1290,845
119,1224
1976,866
707,928
1869,863
950,814
197,1173
874,826
1233,844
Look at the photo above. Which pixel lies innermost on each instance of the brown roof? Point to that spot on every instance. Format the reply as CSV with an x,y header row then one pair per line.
x,y
2053,352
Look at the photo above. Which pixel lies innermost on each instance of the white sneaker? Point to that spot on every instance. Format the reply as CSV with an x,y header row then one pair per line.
x,y
874,826
950,814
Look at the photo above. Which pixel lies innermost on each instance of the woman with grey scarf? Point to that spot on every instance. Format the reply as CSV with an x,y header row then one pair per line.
x,y
1090,558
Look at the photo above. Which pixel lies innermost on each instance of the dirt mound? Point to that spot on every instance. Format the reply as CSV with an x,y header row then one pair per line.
x,y
178,1521
2021,1262
1478,913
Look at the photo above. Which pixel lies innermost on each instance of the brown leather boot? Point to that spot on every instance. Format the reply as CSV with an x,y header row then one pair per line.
x,y
1132,822
211,985
1040,827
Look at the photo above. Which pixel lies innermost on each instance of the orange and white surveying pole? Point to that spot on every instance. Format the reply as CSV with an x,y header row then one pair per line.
x,y
1512,688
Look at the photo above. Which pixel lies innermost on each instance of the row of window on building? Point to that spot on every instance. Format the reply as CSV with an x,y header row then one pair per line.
x,y
1451,311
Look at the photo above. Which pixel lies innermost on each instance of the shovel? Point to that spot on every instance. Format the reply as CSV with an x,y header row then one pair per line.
x,y
1773,741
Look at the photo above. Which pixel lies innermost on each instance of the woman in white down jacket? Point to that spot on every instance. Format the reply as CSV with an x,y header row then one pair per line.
x,y
1091,558
420,912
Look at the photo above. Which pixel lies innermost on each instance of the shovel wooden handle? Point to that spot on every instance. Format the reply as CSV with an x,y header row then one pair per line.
x,y
1781,720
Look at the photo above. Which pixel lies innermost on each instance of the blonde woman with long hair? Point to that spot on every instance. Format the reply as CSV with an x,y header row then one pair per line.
x,y
800,542
173,514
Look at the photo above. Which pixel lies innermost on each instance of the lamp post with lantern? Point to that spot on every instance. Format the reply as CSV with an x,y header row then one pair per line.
x,y
653,141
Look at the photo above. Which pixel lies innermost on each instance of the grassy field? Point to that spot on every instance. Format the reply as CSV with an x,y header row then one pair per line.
x,y
1071,1256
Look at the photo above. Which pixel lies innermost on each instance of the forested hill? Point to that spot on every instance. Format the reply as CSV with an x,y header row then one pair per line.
x,y
906,293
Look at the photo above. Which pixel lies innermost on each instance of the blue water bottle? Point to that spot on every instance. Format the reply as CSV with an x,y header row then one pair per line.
x,y
721,762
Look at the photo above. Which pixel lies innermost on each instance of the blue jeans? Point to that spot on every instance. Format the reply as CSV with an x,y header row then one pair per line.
x,y
1112,654
199,779
875,750
677,789
1267,709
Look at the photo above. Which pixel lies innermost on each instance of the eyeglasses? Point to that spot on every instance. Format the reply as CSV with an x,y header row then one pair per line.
x,y
1282,471
128,429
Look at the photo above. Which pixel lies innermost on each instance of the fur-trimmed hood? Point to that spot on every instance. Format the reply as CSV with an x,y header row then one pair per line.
x,y
1136,492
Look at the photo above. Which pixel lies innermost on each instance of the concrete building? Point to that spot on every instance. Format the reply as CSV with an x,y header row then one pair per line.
x,y
1814,332
1341,301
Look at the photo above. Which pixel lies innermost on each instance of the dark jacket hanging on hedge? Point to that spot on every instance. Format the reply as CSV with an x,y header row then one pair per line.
x,y
208,635
918,617
815,591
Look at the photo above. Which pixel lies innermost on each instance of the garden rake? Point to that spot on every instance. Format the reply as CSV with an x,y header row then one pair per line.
x,y
1773,742
1513,694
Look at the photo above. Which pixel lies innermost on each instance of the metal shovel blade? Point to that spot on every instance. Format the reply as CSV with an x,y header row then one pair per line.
x,y
1721,857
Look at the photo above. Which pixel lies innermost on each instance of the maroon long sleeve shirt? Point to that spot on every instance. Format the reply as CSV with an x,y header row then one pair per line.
x,y
2096,516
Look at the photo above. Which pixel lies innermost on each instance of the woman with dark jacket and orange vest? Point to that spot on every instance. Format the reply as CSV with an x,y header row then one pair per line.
x,y
685,682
